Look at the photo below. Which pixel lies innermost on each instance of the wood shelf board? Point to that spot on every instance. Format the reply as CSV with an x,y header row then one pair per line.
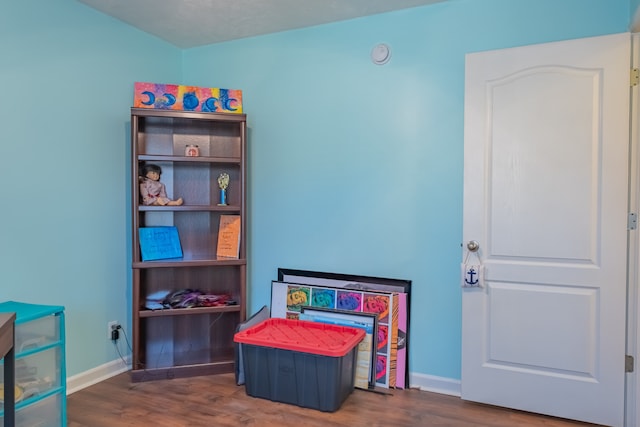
x,y
222,367
199,159
190,208
226,117
189,311
184,262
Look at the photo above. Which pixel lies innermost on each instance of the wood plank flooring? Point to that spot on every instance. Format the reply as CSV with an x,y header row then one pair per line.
x,y
217,401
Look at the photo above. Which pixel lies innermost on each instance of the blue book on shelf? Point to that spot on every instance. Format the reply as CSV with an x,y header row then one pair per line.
x,y
159,243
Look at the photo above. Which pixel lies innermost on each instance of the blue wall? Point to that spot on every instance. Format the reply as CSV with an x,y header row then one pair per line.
x,y
357,168
354,168
68,74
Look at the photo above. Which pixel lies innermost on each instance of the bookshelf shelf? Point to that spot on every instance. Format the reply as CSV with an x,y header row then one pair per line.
x,y
189,311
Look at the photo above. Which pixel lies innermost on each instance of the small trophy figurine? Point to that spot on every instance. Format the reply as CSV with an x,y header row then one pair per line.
x,y
223,183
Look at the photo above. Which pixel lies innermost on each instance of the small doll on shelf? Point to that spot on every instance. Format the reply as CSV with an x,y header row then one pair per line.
x,y
152,191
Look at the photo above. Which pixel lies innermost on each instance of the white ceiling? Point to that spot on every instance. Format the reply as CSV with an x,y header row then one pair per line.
x,y
191,23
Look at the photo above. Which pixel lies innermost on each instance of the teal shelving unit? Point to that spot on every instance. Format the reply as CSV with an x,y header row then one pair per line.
x,y
40,364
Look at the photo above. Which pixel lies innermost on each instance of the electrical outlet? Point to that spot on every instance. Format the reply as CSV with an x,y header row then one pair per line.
x,y
110,327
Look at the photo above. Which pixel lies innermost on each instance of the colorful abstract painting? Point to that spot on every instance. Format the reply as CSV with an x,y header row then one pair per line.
x,y
297,297
187,98
323,297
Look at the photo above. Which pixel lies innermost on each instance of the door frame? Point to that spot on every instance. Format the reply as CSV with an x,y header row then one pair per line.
x,y
632,390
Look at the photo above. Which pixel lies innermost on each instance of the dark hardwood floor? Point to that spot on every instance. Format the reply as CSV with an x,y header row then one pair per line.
x,y
217,401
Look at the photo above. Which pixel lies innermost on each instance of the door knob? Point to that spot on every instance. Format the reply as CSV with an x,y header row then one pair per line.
x,y
473,246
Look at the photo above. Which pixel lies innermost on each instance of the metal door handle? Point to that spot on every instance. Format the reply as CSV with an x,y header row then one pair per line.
x,y
473,246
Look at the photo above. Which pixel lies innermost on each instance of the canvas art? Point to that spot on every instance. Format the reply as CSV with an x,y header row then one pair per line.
x,y
288,300
350,294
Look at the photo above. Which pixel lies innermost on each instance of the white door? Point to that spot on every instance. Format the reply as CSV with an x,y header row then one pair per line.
x,y
545,196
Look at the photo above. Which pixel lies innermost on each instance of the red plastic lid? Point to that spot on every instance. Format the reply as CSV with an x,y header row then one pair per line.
x,y
302,335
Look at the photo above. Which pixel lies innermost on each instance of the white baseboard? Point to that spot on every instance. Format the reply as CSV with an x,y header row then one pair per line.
x,y
435,384
93,376
97,374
